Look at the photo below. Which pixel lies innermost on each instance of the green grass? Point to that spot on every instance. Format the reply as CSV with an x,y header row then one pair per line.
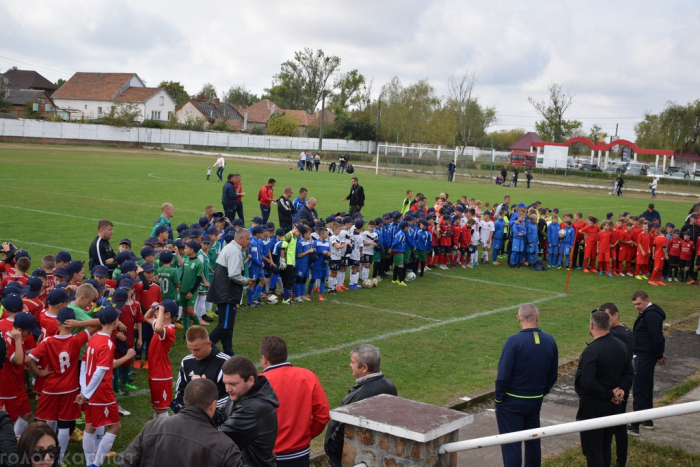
x,y
672,395
640,454
52,197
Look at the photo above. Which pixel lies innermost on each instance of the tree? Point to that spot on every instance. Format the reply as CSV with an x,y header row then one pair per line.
x,y
238,94
350,90
283,125
596,133
649,132
308,78
122,114
208,93
60,82
176,91
553,113
282,96
552,132
471,120
503,139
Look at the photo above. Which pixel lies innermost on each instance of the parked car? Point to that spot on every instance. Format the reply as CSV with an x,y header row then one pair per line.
x,y
696,174
656,172
674,169
635,168
615,169
588,167
680,175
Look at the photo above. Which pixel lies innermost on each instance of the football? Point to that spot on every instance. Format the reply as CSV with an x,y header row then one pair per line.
x,y
375,282
367,284
410,275
272,299
562,233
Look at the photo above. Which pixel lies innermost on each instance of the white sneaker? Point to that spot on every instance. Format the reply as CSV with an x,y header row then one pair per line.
x,y
427,268
123,411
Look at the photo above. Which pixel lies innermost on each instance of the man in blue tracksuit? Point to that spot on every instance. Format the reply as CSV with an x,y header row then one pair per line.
x,y
527,371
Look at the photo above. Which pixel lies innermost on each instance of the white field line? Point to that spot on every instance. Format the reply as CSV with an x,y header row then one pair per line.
x,y
425,327
383,310
71,216
511,286
60,248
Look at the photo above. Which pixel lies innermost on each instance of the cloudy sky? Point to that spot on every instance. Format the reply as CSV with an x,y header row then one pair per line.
x,y
620,58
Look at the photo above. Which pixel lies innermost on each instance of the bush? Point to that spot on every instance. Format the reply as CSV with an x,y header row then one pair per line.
x,y
221,125
153,124
257,130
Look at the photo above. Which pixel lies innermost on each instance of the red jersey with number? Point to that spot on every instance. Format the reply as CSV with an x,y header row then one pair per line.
x,y
50,282
158,361
604,240
456,234
148,297
100,354
674,246
21,279
687,249
11,374
660,243
62,355
48,324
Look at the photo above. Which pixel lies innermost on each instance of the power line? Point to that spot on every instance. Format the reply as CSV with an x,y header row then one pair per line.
x,y
37,66
582,118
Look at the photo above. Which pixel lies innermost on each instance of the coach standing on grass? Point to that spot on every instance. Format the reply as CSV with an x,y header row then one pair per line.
x,y
649,346
100,252
266,197
231,199
527,371
286,210
356,197
167,211
226,288
603,379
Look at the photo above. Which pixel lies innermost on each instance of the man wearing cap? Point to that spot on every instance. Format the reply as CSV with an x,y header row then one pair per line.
x,y
231,198
226,289
286,210
652,216
100,251
356,196
167,213
266,197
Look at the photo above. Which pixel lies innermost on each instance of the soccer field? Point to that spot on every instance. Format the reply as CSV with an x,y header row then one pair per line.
x,y
440,337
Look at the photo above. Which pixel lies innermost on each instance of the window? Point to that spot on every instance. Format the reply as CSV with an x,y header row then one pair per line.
x,y
85,106
162,100
99,111
42,100
155,115
48,107
170,115
35,107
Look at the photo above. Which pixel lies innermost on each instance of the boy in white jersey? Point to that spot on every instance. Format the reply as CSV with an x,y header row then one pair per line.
x,y
337,254
486,229
369,243
345,237
356,254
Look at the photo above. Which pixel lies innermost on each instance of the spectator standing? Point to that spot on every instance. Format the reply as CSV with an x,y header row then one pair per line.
x,y
652,216
304,410
167,211
308,212
231,199
249,417
504,174
603,378
302,161
649,346
100,252
369,382
185,439
451,167
356,197
652,186
220,164
342,163
406,205
527,370
266,197
516,172
226,289
286,210
528,177
620,184
317,161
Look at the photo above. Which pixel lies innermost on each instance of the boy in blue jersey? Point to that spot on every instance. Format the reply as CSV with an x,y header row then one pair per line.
x,y
498,234
275,257
300,201
398,247
519,232
532,241
424,243
553,242
567,244
267,244
319,270
255,267
304,249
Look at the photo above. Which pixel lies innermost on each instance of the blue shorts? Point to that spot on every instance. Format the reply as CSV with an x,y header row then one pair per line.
x,y
301,271
254,272
497,243
565,250
320,274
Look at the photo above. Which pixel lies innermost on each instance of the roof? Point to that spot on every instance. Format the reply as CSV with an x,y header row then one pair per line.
x,y
93,86
22,96
687,156
261,111
137,94
9,116
213,113
303,117
29,79
525,143
231,123
328,116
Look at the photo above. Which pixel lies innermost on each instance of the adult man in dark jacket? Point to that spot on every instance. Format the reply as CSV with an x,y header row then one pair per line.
x,y
249,418
231,200
603,378
100,252
356,197
8,440
451,167
649,346
504,174
516,172
308,212
286,210
369,382
186,439
527,370
652,216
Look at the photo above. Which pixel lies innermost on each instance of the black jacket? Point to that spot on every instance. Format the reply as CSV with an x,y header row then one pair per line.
x,y
693,229
357,196
186,439
209,367
229,197
603,366
100,251
285,210
251,422
8,440
335,432
648,331
309,214
222,289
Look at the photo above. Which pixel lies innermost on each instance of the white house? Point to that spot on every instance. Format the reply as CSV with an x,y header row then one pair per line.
x,y
91,95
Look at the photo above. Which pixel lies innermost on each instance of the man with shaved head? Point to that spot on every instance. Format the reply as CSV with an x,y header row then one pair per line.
x,y
527,371
167,212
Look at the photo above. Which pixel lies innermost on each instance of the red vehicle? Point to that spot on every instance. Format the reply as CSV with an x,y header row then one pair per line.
x,y
521,158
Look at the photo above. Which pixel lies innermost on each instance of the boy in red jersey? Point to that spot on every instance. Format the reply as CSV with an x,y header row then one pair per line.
x,y
13,397
687,253
30,294
61,353
643,252
20,275
445,240
604,245
96,391
433,229
578,224
615,237
131,317
456,237
151,294
660,255
590,235
48,264
160,373
674,255
626,248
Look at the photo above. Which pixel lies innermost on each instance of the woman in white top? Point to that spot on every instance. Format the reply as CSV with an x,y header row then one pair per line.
x,y
220,164
302,160
653,186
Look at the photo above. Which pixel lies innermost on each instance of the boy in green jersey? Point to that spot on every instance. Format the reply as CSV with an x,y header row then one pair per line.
x,y
192,274
168,277
200,307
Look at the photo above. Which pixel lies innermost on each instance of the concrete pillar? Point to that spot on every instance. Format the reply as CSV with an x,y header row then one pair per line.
x,y
386,148
389,431
403,150
438,152
607,155
673,161
474,154
635,157
656,164
592,155
664,166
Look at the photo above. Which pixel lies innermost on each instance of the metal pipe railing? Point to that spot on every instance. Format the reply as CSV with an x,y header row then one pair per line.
x,y
573,427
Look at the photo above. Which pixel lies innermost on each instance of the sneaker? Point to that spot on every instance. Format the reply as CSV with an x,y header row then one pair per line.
x,y
256,304
320,298
394,282
178,326
639,277
77,435
204,322
648,425
338,288
353,287
645,276
122,411
660,283
288,302
298,299
427,268
558,267
316,290
690,282
306,298
611,274
137,363
614,274
578,269
585,270
594,270
633,431
332,292
145,365
470,266
131,387
601,273
403,284
630,274
344,287
653,283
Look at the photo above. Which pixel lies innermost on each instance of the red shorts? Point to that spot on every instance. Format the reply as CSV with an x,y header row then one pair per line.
x,y
16,406
590,251
101,415
642,259
659,263
161,393
624,255
54,407
604,257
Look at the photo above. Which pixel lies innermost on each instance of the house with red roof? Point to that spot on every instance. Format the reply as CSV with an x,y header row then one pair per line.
x,y
525,143
212,112
91,95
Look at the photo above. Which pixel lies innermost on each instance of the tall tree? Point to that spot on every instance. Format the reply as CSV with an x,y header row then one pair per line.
x,y
553,113
596,133
239,94
176,90
308,77
471,120
350,90
60,82
650,133
503,139
208,93
283,125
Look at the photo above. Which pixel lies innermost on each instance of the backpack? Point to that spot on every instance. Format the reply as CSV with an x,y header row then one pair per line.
x,y
350,169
